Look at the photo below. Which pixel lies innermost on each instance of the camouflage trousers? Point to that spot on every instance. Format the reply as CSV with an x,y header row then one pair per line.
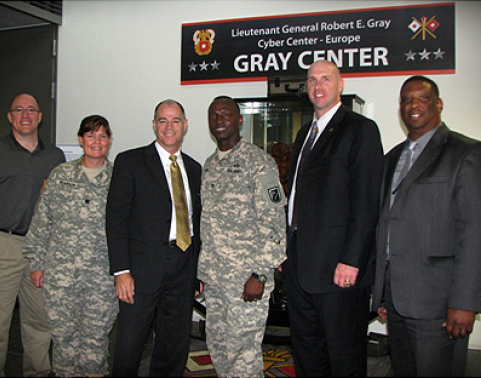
x,y
234,332
81,320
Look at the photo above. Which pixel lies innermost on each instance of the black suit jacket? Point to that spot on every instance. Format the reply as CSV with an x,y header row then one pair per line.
x,y
434,229
337,200
138,216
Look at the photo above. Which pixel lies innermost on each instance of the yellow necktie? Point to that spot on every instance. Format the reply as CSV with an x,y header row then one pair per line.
x,y
180,203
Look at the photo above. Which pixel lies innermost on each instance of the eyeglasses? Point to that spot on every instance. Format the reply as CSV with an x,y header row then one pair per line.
x,y
19,110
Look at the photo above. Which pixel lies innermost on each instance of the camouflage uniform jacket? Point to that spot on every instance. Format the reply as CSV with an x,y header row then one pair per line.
x,y
243,225
67,235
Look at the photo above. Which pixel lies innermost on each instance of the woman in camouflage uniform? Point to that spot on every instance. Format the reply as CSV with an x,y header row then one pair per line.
x,y
67,250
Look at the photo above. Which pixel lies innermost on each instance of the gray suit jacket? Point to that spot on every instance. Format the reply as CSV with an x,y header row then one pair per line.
x,y
434,229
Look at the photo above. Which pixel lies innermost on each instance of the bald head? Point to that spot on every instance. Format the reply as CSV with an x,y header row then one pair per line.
x,y
327,64
324,86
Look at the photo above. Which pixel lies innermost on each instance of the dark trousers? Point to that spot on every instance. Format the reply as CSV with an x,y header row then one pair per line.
x,y
420,347
328,330
169,309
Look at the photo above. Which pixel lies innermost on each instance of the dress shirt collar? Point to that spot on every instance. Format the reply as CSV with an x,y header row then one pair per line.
x,y
325,118
423,140
164,155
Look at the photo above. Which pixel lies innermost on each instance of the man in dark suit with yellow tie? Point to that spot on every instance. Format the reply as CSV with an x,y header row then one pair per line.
x,y
153,255
333,210
427,283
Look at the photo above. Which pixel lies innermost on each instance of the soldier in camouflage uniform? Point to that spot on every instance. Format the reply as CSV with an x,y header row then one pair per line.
x,y
243,242
67,250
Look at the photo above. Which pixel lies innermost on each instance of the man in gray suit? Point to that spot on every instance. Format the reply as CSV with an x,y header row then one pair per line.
x,y
427,282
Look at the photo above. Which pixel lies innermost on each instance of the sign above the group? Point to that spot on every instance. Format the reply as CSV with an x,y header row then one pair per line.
x,y
416,39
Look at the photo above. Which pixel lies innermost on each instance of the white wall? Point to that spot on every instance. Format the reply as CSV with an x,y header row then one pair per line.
x,y
120,58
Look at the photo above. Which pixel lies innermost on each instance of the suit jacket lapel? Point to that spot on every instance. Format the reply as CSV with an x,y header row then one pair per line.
x,y
390,169
332,126
296,150
152,159
191,176
430,152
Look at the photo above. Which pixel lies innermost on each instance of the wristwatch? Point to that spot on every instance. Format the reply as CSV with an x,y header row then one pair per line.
x,y
261,278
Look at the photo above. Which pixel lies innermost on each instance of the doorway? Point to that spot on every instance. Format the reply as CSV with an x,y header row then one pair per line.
x,y
272,124
29,65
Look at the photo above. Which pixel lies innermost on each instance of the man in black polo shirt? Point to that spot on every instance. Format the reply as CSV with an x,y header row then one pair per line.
x,y
25,163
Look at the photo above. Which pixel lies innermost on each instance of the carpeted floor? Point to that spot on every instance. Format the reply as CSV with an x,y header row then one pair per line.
x,y
277,356
277,363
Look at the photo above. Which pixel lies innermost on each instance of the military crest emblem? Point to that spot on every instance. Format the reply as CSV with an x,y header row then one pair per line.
x,y
203,41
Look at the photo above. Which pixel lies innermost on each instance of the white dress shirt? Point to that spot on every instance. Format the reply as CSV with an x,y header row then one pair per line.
x,y
164,158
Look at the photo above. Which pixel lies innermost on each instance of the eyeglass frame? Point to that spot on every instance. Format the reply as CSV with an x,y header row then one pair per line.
x,y
19,110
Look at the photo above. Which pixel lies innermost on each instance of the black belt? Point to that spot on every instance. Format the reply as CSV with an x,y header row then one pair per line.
x,y
11,232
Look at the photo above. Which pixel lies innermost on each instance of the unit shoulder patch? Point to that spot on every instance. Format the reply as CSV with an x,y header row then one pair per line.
x,y
272,189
